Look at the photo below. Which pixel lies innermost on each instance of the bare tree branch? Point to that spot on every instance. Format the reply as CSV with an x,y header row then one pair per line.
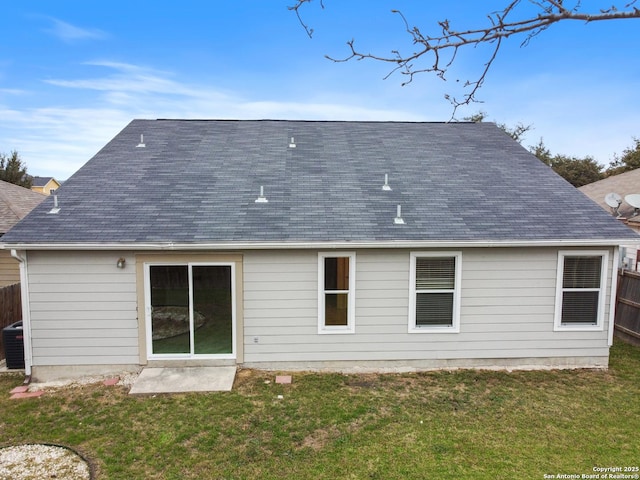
x,y
501,26
296,8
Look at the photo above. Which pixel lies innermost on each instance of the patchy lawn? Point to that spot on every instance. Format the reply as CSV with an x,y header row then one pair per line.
x,y
441,425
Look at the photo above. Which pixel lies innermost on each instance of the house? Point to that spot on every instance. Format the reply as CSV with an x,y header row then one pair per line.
x,y
316,245
619,188
15,203
44,185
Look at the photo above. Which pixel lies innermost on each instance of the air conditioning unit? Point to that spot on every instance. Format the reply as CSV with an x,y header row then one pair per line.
x,y
13,341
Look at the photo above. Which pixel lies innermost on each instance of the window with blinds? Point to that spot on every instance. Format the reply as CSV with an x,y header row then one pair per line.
x,y
434,291
581,289
582,278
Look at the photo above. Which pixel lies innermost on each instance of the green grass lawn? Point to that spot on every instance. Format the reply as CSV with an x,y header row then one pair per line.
x,y
436,425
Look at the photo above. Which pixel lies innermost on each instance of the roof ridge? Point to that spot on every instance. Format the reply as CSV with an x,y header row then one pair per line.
x,y
285,120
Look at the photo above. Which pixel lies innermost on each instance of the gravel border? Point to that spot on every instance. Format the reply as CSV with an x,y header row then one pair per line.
x,y
39,461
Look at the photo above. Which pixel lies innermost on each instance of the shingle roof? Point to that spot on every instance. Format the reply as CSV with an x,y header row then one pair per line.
x,y
15,203
623,184
196,181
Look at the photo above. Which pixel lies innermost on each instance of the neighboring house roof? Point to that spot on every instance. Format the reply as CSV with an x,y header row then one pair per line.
x,y
195,182
44,185
15,203
623,184
42,181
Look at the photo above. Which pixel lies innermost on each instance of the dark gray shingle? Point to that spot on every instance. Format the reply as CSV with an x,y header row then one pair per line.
x,y
196,182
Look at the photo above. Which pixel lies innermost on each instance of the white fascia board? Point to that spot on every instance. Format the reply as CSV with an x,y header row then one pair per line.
x,y
169,246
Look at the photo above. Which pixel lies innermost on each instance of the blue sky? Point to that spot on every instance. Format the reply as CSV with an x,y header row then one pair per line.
x,y
74,72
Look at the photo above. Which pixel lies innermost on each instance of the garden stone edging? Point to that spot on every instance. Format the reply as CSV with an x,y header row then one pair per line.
x,y
40,460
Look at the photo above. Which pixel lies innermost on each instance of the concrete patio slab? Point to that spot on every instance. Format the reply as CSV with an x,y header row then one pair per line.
x,y
184,379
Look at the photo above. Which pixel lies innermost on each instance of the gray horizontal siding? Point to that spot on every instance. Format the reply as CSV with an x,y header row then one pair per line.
x,y
507,310
43,334
83,308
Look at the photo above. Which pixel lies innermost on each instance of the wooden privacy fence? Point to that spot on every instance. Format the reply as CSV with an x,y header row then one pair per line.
x,y
10,308
627,322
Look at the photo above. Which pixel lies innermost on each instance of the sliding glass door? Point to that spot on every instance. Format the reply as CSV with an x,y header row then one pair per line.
x,y
190,310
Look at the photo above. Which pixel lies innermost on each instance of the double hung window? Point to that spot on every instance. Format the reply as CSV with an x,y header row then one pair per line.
x,y
336,292
434,303
580,290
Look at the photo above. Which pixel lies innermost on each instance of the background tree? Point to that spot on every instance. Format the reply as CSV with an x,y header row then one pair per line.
x,y
12,170
630,160
517,132
435,52
577,171
542,152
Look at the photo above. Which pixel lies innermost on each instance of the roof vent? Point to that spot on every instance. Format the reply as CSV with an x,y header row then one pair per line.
x,y
292,143
398,220
261,198
141,144
56,206
386,185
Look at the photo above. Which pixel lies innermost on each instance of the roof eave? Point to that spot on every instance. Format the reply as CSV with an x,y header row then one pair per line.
x,y
170,246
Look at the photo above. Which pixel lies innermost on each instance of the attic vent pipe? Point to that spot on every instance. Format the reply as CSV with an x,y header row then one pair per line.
x,y
56,207
292,143
386,186
398,220
261,198
141,144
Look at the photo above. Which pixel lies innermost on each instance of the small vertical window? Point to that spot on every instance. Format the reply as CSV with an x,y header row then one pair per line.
x,y
580,290
435,292
336,282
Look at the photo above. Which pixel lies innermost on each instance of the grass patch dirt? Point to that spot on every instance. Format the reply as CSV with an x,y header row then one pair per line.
x,y
444,425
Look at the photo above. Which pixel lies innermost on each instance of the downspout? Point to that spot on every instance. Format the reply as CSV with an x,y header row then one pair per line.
x,y
26,314
613,298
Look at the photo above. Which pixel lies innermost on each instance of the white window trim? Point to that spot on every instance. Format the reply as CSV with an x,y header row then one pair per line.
x,y
558,326
455,326
147,301
351,294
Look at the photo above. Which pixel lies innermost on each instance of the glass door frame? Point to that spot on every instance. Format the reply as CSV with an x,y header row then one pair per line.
x,y
147,312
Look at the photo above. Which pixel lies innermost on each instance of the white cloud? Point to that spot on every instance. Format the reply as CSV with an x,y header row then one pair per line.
x,y
12,91
71,33
56,141
127,78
